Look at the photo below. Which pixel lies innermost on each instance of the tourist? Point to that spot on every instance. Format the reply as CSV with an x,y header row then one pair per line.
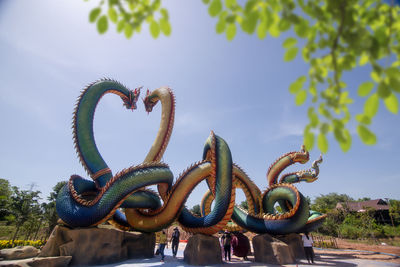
x,y
163,243
175,241
226,242
241,247
308,247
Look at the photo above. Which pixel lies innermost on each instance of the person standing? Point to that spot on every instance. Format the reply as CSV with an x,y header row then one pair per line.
x,y
163,243
226,242
241,248
308,247
175,241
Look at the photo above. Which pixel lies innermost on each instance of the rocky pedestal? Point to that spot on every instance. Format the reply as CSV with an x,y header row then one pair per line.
x,y
203,250
268,249
20,252
295,244
60,261
89,246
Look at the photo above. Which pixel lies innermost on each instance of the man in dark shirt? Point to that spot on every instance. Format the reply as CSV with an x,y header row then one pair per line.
x,y
175,241
226,242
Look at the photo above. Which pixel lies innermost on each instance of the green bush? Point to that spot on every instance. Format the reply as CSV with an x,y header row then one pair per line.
x,y
391,231
350,231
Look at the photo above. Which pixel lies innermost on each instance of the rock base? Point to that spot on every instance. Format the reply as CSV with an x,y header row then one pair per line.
x,y
92,246
268,249
203,250
19,252
38,262
295,244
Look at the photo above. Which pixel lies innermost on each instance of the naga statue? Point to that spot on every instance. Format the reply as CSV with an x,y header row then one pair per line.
x,y
124,201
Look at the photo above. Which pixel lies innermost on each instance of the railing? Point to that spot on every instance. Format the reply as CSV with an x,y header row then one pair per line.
x,y
324,241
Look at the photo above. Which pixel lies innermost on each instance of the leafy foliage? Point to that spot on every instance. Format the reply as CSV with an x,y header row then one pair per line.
x,y
5,193
332,37
129,15
196,210
24,206
325,203
338,36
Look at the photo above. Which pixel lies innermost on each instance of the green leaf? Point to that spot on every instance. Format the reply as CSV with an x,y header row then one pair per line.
x,y
363,59
128,30
365,88
221,24
366,135
284,25
274,31
375,76
302,29
301,97
290,54
314,121
214,8
339,136
262,30
393,72
231,31
206,1
324,128
289,42
102,24
308,140
346,144
383,90
322,143
295,87
230,3
165,27
371,106
164,13
120,25
154,29
250,22
112,14
94,13
391,103
394,83
361,118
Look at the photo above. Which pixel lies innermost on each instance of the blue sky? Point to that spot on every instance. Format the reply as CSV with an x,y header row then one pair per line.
x,y
49,52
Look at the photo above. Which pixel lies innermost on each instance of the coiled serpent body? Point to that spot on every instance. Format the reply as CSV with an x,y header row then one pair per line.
x,y
83,203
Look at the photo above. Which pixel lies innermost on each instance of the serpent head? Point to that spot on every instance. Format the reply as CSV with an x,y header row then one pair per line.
x,y
150,101
302,157
311,175
130,101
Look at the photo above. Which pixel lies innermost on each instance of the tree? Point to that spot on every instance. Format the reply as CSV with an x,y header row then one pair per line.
x,y
50,212
333,37
5,193
24,204
244,205
325,203
196,210
394,211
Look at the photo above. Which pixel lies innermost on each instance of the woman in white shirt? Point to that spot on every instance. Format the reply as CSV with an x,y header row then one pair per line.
x,y
308,247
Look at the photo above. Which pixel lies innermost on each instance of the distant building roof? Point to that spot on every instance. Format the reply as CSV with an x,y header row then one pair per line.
x,y
377,204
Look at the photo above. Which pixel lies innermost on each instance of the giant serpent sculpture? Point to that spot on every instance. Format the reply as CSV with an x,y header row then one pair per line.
x,y
84,203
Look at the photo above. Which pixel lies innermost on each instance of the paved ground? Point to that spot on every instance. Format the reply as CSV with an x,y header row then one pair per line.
x,y
322,259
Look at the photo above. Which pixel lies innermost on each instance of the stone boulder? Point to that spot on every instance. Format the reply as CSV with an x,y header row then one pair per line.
x,y
203,250
20,252
295,244
61,261
90,246
268,249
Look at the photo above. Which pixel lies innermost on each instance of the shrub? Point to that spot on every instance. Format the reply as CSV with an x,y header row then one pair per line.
x,y
34,243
